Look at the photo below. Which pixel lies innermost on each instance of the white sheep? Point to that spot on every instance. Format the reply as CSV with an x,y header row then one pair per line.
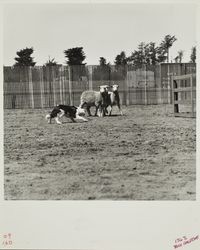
x,y
114,99
91,98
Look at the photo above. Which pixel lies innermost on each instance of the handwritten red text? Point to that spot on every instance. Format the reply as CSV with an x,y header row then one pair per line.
x,y
179,242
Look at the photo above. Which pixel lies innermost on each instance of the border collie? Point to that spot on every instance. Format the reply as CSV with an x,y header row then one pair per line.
x,y
71,112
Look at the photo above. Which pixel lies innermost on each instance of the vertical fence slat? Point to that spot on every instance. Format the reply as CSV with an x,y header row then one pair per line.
x,y
70,85
61,85
30,87
192,101
90,69
41,87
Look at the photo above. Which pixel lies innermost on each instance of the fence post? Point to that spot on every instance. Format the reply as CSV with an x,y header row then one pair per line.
x,y
30,86
145,85
174,95
70,86
168,84
162,87
127,87
53,83
41,87
192,101
64,84
60,83
157,79
90,68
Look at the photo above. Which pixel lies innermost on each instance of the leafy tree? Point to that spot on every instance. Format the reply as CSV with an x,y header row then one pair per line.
x,y
193,55
24,57
148,54
152,56
145,54
121,59
102,61
138,57
165,45
102,71
75,56
51,62
161,55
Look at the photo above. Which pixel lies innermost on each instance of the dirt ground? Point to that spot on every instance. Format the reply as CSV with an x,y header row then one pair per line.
x,y
147,154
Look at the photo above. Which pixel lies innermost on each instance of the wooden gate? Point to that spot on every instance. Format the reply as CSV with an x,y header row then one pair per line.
x,y
184,93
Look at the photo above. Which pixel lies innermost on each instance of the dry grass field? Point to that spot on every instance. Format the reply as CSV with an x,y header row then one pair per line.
x,y
147,154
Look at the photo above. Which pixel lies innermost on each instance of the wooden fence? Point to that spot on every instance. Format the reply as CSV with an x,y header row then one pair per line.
x,y
44,87
184,95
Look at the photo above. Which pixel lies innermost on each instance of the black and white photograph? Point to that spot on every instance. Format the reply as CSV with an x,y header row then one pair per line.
x,y
99,124
99,101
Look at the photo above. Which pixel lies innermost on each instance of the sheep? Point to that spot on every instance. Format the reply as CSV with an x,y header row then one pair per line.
x,y
114,99
91,98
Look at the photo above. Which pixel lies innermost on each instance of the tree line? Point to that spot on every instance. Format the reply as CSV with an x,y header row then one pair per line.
x,y
145,54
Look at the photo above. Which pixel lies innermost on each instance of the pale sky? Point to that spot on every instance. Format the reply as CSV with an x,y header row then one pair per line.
x,y
101,29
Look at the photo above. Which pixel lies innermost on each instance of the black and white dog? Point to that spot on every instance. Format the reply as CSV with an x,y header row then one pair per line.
x,y
71,112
